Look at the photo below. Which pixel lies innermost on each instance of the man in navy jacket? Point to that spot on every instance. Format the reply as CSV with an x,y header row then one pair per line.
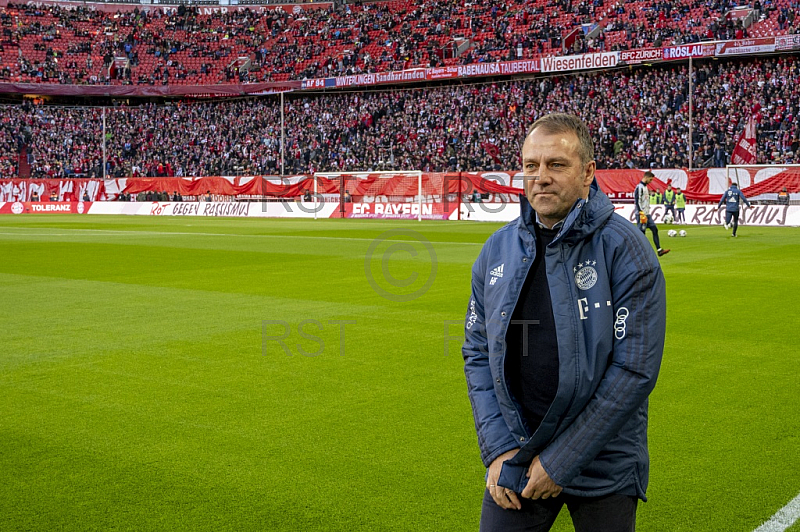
x,y
731,199
564,339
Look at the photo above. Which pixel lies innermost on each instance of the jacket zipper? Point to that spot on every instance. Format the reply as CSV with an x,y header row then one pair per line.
x,y
575,328
505,333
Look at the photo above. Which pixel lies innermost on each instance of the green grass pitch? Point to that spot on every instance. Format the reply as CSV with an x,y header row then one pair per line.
x,y
142,386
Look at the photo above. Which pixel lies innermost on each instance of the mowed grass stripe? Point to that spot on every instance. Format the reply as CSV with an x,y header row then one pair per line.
x,y
81,232
151,404
165,376
310,406
346,229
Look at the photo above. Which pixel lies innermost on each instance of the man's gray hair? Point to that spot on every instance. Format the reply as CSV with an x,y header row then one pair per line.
x,y
565,123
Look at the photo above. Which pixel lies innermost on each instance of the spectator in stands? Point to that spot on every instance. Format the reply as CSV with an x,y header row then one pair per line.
x,y
152,49
720,157
53,196
459,128
35,196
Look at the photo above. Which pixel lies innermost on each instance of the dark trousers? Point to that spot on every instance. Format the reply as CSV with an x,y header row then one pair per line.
x,y
669,208
735,216
612,513
653,229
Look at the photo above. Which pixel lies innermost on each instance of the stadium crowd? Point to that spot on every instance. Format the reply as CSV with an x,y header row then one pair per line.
x,y
639,119
65,142
79,46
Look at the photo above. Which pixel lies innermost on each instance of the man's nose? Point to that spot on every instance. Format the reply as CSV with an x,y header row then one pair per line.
x,y
542,177
531,179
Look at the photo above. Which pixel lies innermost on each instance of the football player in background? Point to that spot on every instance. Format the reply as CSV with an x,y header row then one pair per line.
x,y
731,200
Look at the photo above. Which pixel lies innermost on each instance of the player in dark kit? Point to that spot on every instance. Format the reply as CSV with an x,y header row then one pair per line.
x,y
731,199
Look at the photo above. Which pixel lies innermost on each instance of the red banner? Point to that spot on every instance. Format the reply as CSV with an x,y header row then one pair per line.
x,y
706,185
445,72
685,51
51,189
437,187
221,186
28,207
378,78
522,66
504,68
397,211
763,45
642,55
745,150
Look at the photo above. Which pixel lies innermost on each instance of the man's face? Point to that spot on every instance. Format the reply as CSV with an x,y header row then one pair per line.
x,y
555,177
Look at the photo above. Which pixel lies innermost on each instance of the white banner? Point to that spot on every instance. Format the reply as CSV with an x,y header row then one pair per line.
x,y
787,42
771,215
237,209
580,62
761,215
764,215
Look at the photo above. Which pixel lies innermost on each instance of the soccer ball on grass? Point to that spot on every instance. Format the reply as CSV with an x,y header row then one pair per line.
x,y
672,232
681,233
668,219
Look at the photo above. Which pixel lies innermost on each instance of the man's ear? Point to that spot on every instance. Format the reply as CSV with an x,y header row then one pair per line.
x,y
588,175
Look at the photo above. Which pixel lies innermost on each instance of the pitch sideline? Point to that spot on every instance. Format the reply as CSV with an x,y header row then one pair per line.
x,y
783,518
75,232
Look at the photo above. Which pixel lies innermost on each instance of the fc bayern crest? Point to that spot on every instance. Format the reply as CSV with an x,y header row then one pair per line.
x,y
585,274
80,207
17,207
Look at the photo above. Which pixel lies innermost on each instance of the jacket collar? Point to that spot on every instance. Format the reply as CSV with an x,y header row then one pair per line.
x,y
556,227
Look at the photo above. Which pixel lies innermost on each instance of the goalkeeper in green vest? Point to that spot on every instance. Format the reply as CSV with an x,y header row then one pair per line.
x,y
680,204
669,202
